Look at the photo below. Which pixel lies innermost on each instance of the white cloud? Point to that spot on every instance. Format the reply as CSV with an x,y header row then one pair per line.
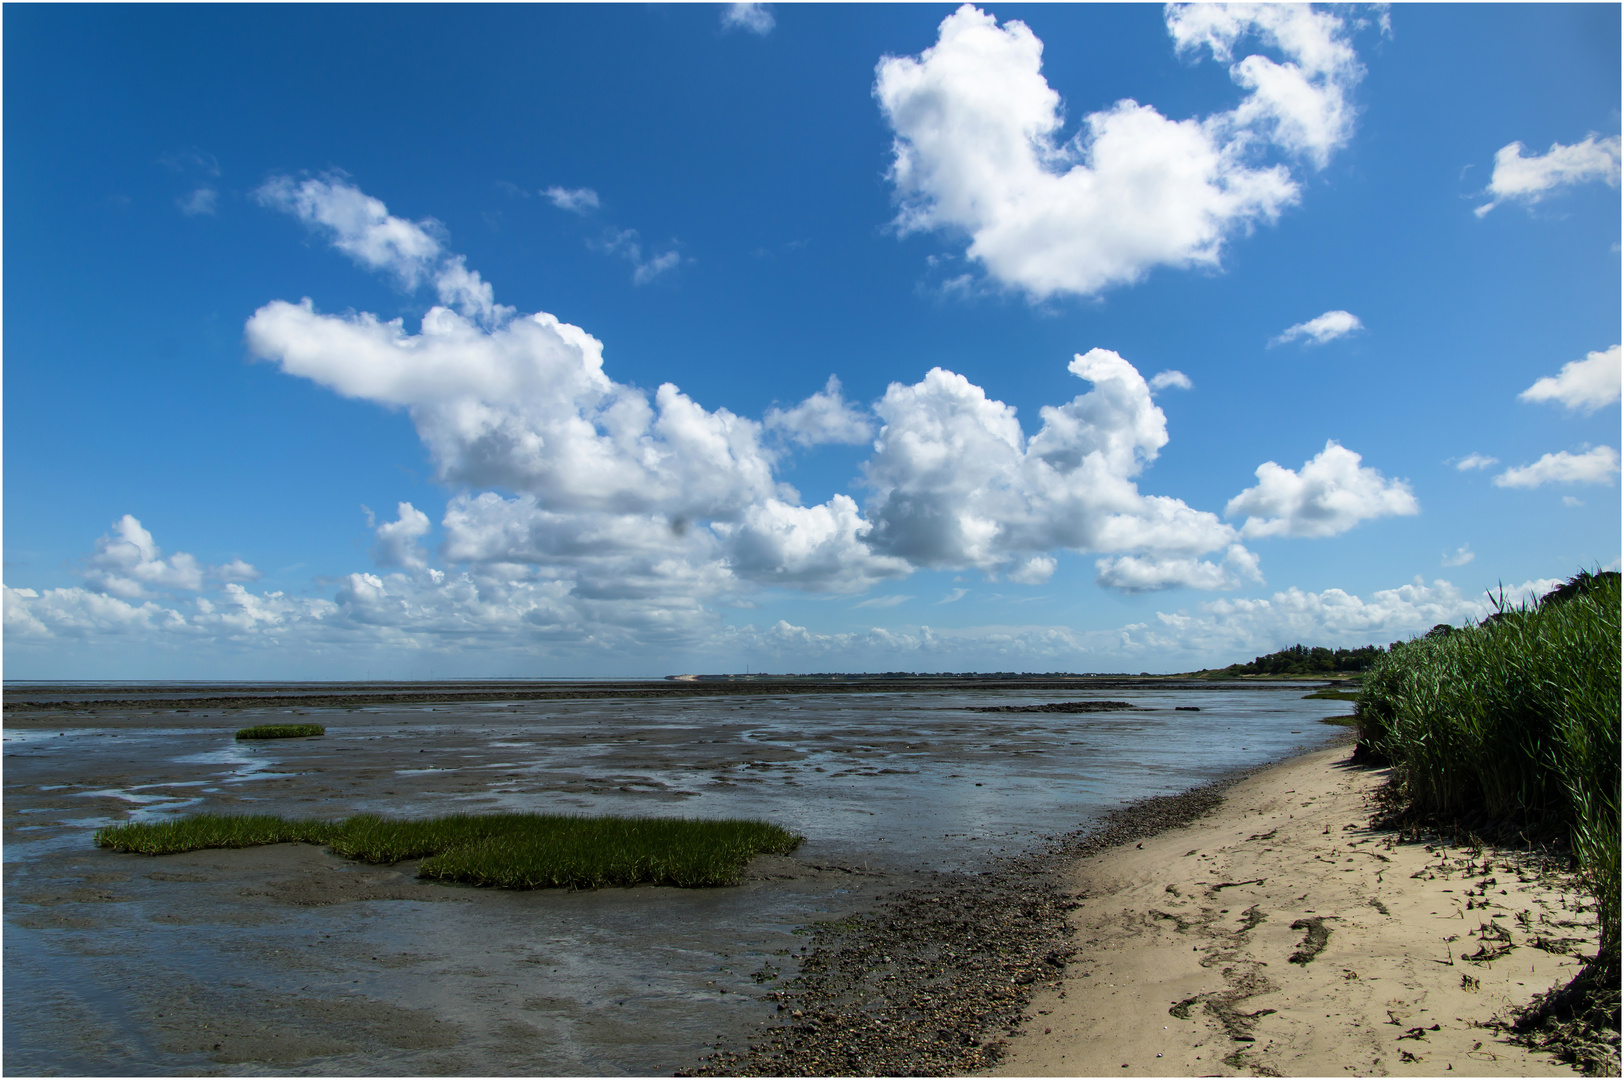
x,y
1582,385
202,201
575,200
1162,380
235,570
397,540
1322,328
1132,573
626,244
1570,501
1463,555
823,418
647,593
1331,495
955,596
1530,179
1245,627
362,227
632,514
956,484
977,150
821,548
1475,460
756,18
128,563
1594,466
1035,570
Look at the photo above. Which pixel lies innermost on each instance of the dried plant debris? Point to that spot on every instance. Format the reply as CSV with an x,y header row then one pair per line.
x,y
1316,935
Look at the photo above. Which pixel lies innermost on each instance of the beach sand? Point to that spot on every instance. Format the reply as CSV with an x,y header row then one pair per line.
x,y
1186,944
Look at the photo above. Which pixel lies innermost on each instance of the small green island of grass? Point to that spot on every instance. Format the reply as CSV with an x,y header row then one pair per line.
x,y
510,851
281,731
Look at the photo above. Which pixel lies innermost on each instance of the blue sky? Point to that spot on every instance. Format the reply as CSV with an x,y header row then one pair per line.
x,y
1160,337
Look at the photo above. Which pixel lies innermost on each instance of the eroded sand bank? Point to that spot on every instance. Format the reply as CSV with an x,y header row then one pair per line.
x,y
1186,944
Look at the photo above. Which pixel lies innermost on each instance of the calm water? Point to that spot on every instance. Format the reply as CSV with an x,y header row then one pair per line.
x,y
100,948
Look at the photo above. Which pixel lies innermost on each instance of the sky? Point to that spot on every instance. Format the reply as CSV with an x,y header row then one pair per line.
x,y
586,341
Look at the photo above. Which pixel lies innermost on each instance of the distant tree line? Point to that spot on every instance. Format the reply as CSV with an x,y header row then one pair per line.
x,y
1302,660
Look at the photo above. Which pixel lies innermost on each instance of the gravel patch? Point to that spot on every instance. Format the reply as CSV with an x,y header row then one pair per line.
x,y
933,980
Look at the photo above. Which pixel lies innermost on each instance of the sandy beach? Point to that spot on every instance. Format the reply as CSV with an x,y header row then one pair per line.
x,y
1280,936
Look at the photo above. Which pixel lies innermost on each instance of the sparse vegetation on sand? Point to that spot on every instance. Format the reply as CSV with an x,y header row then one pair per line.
x,y
510,851
281,731
1514,725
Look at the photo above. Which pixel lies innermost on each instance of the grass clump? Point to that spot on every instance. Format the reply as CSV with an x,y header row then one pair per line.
x,y
1515,723
510,851
1332,695
281,731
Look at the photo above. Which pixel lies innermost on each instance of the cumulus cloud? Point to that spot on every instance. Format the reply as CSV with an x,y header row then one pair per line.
x,y
1230,627
1035,570
235,570
823,418
1475,460
1595,466
631,515
1582,385
655,597
1323,328
958,485
1133,574
1176,380
756,18
524,404
128,563
977,147
362,228
1529,179
1463,555
1331,495
398,540
575,200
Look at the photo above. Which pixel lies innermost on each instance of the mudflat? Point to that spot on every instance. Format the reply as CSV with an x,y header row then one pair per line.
x,y
1281,936
288,959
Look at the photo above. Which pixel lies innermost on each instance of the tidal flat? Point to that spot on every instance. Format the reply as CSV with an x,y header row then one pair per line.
x,y
289,959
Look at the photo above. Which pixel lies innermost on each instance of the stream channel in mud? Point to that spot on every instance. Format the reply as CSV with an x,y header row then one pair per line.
x,y
287,959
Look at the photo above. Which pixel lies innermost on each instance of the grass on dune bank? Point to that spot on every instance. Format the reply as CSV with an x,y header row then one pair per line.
x,y
281,731
1515,723
510,851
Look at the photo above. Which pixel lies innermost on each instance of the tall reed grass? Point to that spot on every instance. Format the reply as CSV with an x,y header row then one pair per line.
x,y
1515,721
512,851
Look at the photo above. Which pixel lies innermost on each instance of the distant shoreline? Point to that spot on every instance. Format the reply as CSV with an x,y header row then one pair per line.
x,y
62,701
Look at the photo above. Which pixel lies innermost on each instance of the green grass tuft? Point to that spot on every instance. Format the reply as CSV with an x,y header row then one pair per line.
x,y
1332,695
510,851
281,731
